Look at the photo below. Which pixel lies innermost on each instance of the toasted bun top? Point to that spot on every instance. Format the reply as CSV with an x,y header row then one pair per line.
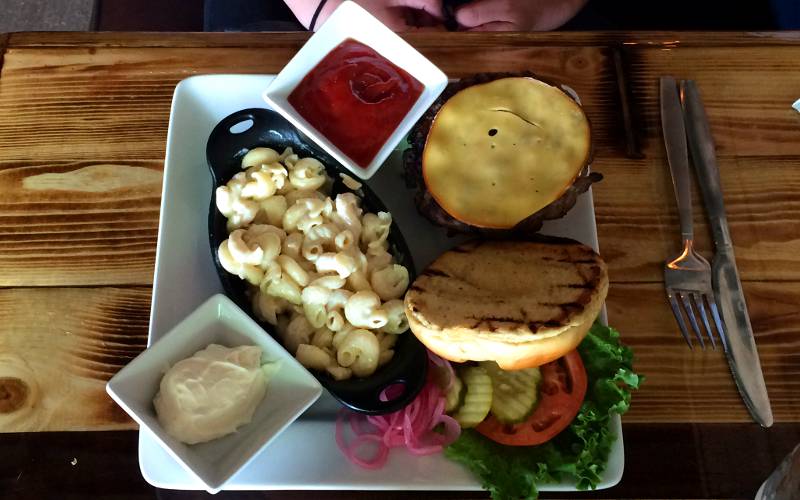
x,y
509,292
499,151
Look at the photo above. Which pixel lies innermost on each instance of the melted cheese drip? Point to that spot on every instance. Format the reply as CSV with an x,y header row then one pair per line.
x,y
500,151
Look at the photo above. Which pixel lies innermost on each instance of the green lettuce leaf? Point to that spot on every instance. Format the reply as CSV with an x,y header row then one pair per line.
x,y
581,451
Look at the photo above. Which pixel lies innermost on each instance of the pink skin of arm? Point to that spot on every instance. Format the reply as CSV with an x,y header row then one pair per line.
x,y
392,13
478,15
517,15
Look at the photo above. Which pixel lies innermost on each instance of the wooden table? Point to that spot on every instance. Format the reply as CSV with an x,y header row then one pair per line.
x,y
83,122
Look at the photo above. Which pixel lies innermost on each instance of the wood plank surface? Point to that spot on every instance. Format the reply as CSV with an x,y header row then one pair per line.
x,y
637,216
69,341
136,80
115,101
553,39
748,94
58,348
105,109
78,222
686,385
81,162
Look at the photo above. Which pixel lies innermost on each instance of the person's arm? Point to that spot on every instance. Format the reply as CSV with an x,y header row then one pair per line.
x,y
517,15
392,13
304,10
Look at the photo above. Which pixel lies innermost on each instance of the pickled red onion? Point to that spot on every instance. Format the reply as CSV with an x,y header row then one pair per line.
x,y
412,427
448,368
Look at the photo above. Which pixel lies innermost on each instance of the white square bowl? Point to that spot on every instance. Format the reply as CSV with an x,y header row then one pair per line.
x,y
291,389
351,21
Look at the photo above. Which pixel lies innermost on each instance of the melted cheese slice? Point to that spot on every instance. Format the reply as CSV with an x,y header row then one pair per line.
x,y
500,151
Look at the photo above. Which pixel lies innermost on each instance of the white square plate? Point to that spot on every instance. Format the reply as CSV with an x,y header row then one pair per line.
x,y
291,389
305,455
351,21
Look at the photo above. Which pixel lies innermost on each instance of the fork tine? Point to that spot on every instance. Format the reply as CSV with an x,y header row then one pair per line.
x,y
723,335
698,303
690,314
679,318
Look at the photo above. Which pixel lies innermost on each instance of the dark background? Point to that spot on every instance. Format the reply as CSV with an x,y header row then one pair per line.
x,y
265,15
693,461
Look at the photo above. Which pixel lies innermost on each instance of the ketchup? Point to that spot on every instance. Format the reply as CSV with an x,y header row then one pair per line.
x,y
356,98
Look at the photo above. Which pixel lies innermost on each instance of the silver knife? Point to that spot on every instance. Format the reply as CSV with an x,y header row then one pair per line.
x,y
741,346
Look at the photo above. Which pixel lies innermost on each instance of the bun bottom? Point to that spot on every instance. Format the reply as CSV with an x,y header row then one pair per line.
x,y
509,356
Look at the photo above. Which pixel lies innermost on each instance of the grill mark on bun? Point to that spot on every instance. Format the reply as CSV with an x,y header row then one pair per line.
x,y
535,326
566,259
490,322
568,308
585,286
435,272
502,319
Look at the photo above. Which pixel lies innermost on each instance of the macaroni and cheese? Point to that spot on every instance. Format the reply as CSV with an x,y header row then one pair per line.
x,y
319,267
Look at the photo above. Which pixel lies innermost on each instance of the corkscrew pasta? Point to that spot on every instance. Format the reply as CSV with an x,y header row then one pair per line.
x,y
319,267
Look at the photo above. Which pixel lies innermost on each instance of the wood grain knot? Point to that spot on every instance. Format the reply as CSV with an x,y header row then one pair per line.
x,y
13,394
579,62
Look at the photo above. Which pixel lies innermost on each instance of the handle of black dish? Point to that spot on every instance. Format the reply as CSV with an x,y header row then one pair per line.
x,y
365,396
223,145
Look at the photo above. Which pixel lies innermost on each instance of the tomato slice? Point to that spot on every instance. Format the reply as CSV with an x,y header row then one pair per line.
x,y
561,394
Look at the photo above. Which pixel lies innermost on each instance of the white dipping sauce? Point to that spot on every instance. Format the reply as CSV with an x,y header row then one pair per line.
x,y
210,394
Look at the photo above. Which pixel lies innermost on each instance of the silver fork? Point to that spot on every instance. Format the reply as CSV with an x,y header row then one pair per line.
x,y
687,276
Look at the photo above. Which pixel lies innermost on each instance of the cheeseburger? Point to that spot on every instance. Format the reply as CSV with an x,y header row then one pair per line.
x,y
499,154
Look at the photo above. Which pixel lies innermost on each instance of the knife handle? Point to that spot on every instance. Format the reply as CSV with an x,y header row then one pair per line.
x,y
701,146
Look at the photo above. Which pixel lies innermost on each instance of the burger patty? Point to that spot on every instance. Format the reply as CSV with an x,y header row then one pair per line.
x,y
429,208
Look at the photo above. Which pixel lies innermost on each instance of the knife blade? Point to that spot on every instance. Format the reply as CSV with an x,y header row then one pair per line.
x,y
740,346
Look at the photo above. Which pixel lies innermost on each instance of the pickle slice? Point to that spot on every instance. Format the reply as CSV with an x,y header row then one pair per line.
x,y
478,397
515,393
455,396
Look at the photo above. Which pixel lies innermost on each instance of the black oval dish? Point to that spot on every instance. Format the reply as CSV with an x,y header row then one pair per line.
x,y
224,153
